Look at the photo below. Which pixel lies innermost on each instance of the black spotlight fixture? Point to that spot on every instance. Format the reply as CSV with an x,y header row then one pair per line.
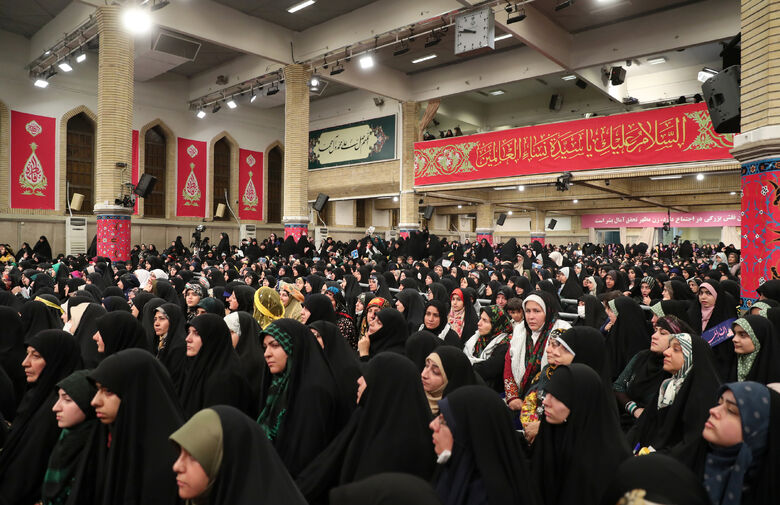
x,y
514,14
563,182
337,68
564,4
274,89
433,39
402,49
216,108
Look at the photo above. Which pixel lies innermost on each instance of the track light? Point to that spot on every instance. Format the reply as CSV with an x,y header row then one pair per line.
x,y
232,103
201,113
81,56
41,82
433,39
159,5
274,89
337,68
563,182
65,65
564,4
216,108
509,213
705,73
514,14
366,61
402,50
253,97
314,81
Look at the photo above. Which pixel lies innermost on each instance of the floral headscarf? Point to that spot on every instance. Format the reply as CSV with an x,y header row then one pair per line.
x,y
376,301
745,361
670,387
501,324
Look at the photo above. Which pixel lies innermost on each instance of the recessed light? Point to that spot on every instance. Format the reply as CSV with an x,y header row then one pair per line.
x,y
699,177
503,37
657,60
575,201
424,58
460,206
521,188
496,92
509,213
302,5
395,198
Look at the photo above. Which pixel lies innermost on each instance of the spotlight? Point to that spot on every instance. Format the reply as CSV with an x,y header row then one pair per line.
x,y
366,61
460,206
563,182
337,69
395,198
231,103
521,188
433,39
253,97
564,4
274,89
699,177
314,82
65,65
617,76
201,113
159,5
216,108
509,213
81,56
519,14
402,50
41,81
575,201
137,20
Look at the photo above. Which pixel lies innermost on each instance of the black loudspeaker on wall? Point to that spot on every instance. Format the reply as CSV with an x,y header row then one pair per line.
x,y
552,223
428,212
501,219
721,92
320,202
145,185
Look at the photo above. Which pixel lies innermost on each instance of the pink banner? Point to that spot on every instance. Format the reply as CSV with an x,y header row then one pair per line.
x,y
657,219
191,178
33,170
134,165
250,185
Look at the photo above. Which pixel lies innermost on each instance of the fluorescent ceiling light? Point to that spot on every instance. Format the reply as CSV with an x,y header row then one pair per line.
x,y
302,5
665,177
503,37
657,60
232,103
201,114
705,73
41,82
366,61
65,66
424,58
496,92
569,77
137,20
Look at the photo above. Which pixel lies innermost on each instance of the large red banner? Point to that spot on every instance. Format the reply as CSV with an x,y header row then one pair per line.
x,y
134,166
33,170
670,135
250,185
191,178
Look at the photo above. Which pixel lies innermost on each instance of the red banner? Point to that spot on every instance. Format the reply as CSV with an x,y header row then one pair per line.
x,y
33,171
191,178
250,185
134,165
670,135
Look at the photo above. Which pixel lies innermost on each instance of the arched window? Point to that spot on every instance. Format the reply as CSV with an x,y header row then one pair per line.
x,y
154,165
80,160
221,175
275,185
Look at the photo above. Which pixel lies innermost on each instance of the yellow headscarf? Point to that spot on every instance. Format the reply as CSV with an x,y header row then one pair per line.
x,y
293,309
268,306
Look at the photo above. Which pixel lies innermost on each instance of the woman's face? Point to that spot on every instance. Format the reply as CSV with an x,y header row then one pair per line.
x,y
305,314
98,338
667,294
673,357
67,412
457,303
610,314
399,306
33,364
194,342
631,275
442,435
332,298
659,342
724,426
106,404
318,337
429,294
432,318
232,301
285,297
432,376
190,476
694,287
501,300
557,354
361,388
372,311
373,284
307,287
161,324
706,299
274,354
586,284
534,315
464,283
484,326
359,307
609,282
555,410
645,290
374,324
742,341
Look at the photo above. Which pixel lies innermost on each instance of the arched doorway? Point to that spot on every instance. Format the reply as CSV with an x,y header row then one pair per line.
x,y
155,165
275,160
221,174
80,160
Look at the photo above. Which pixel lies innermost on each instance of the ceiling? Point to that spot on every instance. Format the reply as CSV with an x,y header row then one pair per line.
x,y
26,17
275,11
209,57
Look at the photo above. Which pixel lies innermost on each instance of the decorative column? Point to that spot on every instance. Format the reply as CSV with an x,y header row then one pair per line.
x,y
296,151
537,226
758,147
485,224
408,219
114,135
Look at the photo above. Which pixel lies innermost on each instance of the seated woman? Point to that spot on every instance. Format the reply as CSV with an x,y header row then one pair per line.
x,y
714,306
51,356
740,450
758,354
387,332
446,369
117,331
590,312
435,321
224,457
629,334
410,304
487,348
480,458
569,467
291,299
462,317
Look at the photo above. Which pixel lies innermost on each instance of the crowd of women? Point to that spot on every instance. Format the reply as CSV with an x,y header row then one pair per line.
x,y
416,371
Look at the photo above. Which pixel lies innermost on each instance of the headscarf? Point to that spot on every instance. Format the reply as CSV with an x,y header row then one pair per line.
x,y
293,308
13,351
120,330
341,357
456,370
763,364
267,306
320,308
86,316
706,313
414,310
37,317
391,336
386,489
376,301
629,335
671,386
656,478
419,346
501,326
250,351
464,321
172,349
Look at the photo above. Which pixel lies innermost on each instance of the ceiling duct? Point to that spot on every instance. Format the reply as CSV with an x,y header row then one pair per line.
x,y
162,51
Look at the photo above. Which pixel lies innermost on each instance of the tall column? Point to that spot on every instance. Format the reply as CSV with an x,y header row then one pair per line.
x,y
537,226
485,224
407,219
758,146
296,151
114,134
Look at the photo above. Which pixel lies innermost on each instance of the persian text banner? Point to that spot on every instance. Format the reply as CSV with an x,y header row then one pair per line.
x,y
191,178
33,170
670,135
250,185
361,142
657,219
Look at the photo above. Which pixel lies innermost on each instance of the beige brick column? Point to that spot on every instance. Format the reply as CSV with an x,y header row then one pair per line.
x,y
408,220
757,147
485,223
114,134
296,151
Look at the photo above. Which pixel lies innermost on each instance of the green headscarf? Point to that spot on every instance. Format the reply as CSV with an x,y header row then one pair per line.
x,y
275,407
201,436
745,361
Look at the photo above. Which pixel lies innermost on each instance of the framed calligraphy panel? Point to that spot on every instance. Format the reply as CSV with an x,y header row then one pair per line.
x,y
361,142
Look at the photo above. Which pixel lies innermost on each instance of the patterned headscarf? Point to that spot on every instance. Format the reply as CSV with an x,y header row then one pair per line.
x,y
745,361
670,387
650,281
762,307
501,324
272,415
268,306
376,301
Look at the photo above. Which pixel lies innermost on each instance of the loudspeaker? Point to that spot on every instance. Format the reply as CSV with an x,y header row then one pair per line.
x,y
552,224
220,210
556,101
721,92
501,219
617,76
76,201
581,84
428,212
145,185
319,204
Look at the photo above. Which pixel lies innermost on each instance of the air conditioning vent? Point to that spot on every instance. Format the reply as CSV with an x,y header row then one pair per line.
x,y
176,45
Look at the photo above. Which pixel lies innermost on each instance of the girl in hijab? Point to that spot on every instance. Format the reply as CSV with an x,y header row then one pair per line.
x,y
677,289
410,304
213,375
712,307
487,348
267,306
216,447
377,284
480,459
462,317
740,448
435,321
245,337
67,478
647,291
117,331
83,326
137,401
372,309
291,299
314,285
243,297
369,444
628,335
169,326
36,317
563,460
437,291
590,312
387,332
341,357
673,420
419,345
758,354
445,370
51,356
302,407
318,307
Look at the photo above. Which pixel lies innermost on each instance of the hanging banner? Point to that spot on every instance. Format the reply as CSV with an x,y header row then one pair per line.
x,y
361,142
250,185
670,135
715,218
33,170
134,165
191,178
